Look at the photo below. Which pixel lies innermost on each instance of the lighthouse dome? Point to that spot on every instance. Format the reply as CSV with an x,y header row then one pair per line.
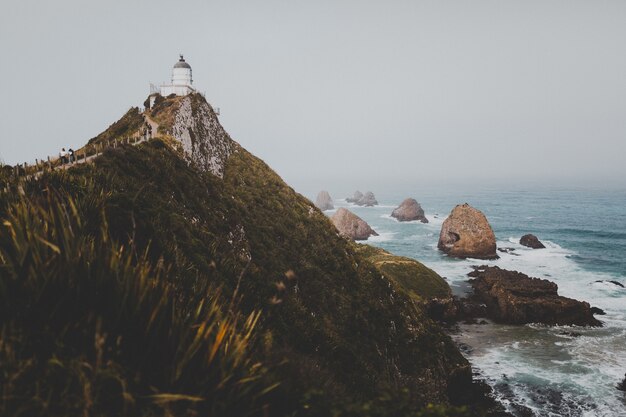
x,y
182,63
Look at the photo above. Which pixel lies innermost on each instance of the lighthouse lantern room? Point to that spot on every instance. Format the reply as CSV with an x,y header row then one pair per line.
x,y
181,80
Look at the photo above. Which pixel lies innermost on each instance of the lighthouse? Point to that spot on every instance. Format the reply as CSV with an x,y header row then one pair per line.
x,y
182,80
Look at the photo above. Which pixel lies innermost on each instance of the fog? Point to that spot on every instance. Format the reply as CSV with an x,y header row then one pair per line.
x,y
356,93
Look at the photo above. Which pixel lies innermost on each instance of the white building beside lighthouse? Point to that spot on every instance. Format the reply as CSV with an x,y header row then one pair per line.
x,y
181,80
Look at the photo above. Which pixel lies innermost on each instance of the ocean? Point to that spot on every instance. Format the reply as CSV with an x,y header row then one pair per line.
x,y
534,370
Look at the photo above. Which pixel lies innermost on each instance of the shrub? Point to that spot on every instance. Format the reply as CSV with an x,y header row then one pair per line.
x,y
90,327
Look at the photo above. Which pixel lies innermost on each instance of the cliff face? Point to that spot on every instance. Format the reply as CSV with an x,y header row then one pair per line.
x,y
204,140
335,332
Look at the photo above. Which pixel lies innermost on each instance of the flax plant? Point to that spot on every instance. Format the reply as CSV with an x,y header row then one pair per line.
x,y
89,327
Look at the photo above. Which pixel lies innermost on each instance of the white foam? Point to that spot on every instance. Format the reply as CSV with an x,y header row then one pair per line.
x,y
382,237
435,220
584,368
393,219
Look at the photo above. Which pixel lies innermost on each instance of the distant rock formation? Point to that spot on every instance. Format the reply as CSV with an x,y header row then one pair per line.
x,y
323,201
356,197
361,199
531,241
367,200
622,385
351,226
409,210
466,233
515,298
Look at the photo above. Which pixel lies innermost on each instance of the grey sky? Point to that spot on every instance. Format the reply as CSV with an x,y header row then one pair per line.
x,y
361,91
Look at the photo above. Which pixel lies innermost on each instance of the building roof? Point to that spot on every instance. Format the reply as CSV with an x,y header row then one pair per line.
x,y
182,64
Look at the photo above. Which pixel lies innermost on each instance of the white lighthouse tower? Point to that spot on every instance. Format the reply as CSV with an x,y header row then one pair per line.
x,y
181,80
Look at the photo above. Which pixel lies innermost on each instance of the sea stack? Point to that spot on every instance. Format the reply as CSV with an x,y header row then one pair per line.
x,y
323,201
531,241
368,200
409,210
351,226
466,233
356,197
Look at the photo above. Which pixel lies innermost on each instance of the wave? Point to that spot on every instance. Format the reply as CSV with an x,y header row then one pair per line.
x,y
393,219
599,234
382,237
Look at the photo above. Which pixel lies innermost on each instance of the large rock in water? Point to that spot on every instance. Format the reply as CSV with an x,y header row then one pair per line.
x,y
356,197
514,298
409,210
323,201
466,233
367,200
531,241
352,226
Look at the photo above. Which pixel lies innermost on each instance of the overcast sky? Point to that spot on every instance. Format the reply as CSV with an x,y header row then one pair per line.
x,y
359,92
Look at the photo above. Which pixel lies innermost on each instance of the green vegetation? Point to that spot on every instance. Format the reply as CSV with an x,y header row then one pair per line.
x,y
409,276
142,283
90,327
126,126
164,112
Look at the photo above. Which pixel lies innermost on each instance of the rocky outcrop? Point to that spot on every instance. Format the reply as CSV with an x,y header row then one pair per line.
x,y
531,241
361,199
409,210
367,200
466,233
622,385
409,276
203,139
351,226
356,197
323,201
514,298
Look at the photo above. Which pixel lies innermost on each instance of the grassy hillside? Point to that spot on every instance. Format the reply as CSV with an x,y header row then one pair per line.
x,y
338,336
409,276
91,327
126,126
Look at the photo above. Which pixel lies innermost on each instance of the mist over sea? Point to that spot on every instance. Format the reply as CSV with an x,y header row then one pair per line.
x,y
534,370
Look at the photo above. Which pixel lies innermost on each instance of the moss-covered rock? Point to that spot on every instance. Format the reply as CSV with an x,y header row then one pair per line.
x,y
408,275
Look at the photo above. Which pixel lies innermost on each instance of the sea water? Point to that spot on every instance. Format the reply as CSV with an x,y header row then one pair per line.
x,y
534,370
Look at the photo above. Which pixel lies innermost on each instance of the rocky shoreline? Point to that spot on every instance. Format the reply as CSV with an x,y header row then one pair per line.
x,y
511,297
515,298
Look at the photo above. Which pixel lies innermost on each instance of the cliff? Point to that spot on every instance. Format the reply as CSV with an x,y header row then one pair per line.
x,y
324,331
